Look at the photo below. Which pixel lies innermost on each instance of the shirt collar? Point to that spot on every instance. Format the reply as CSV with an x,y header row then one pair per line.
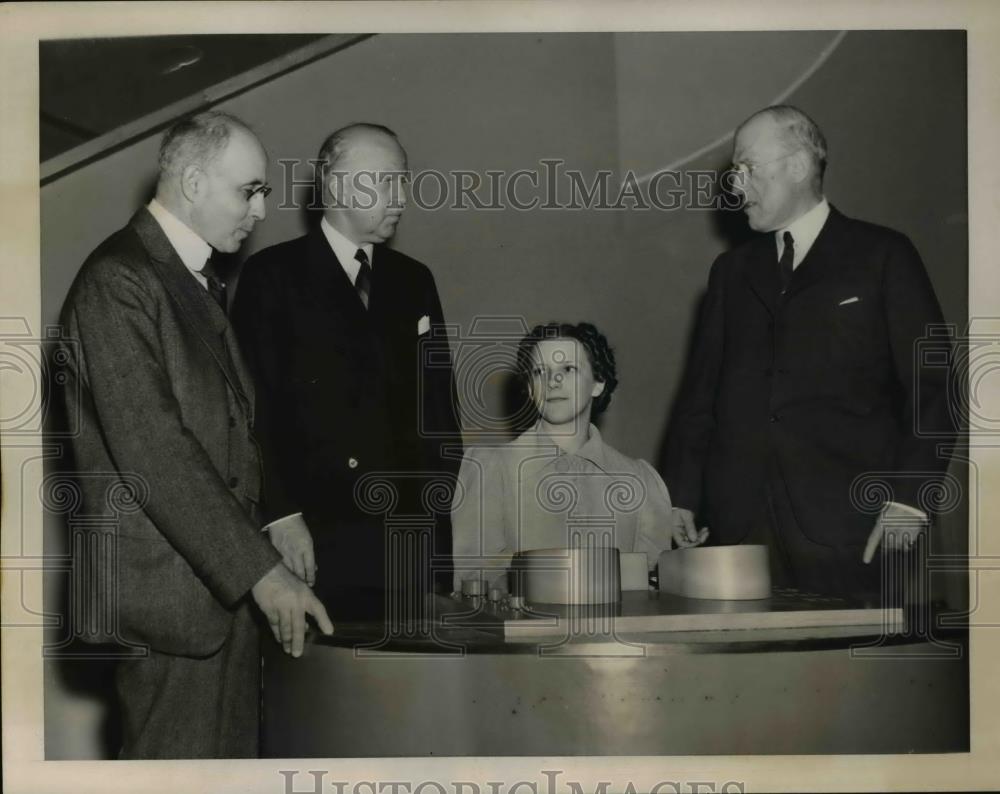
x,y
193,251
804,229
593,449
345,250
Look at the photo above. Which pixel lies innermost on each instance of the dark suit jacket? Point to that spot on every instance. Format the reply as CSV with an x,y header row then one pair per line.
x,y
164,402
825,378
346,393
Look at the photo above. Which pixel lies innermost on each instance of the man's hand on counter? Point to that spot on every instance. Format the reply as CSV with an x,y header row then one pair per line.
x,y
285,601
291,537
685,533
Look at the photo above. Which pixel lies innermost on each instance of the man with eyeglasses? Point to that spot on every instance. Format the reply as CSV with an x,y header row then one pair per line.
x,y
805,378
166,408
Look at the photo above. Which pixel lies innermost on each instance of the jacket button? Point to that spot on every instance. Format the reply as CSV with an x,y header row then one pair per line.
x,y
352,463
775,417
232,421
767,372
234,481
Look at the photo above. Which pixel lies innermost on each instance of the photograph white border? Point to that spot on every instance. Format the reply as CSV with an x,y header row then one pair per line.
x,y
21,27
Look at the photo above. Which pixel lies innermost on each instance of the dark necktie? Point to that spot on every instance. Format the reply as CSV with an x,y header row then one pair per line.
x,y
363,283
785,263
216,286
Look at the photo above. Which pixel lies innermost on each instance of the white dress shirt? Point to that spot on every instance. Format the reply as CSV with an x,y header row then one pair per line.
x,y
805,230
193,251
345,250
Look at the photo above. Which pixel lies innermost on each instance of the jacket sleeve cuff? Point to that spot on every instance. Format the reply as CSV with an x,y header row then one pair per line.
x,y
278,522
900,509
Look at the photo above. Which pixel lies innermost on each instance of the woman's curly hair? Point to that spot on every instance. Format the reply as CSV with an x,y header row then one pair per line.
x,y
599,352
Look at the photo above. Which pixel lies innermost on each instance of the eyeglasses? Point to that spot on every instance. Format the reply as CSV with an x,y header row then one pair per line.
x,y
264,190
748,169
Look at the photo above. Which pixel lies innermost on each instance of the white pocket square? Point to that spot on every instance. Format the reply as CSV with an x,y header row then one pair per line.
x,y
844,302
423,325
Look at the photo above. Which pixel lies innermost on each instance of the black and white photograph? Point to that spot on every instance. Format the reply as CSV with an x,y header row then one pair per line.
x,y
483,398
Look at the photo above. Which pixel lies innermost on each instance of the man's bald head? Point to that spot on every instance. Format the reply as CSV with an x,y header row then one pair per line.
x,y
362,172
797,130
198,140
339,144
212,177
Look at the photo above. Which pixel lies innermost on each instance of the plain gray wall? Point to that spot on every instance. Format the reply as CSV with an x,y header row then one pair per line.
x,y
891,103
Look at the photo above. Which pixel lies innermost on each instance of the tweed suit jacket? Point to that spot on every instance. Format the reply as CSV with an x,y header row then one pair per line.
x,y
164,401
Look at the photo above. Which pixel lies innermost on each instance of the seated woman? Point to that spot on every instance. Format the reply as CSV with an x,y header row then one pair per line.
x,y
559,478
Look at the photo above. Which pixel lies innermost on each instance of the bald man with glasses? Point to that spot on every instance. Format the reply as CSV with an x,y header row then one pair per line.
x,y
166,409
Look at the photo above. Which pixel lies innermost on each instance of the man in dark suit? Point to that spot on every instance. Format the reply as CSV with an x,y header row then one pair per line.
x,y
805,376
355,382
164,399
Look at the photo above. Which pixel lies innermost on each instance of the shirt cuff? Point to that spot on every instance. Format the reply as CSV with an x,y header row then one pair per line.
x,y
899,507
280,521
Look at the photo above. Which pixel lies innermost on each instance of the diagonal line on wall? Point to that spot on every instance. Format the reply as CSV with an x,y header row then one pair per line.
x,y
778,100
151,123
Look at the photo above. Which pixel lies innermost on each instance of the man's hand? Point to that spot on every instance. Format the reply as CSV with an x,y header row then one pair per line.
x,y
291,537
896,529
685,533
285,601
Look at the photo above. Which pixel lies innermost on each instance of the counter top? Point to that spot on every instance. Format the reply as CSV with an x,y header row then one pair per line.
x,y
647,618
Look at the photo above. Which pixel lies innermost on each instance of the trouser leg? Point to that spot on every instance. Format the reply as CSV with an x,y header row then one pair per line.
x,y
180,707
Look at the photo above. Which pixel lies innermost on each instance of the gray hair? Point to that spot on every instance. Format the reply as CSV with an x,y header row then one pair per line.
x,y
197,140
799,131
338,144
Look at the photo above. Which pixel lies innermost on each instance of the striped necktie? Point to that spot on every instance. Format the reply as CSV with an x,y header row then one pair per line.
x,y
785,263
216,286
363,283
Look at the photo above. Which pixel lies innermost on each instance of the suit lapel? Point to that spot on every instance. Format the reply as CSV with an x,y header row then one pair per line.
x,y
382,282
762,271
240,368
327,274
336,295
822,258
204,316
821,261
